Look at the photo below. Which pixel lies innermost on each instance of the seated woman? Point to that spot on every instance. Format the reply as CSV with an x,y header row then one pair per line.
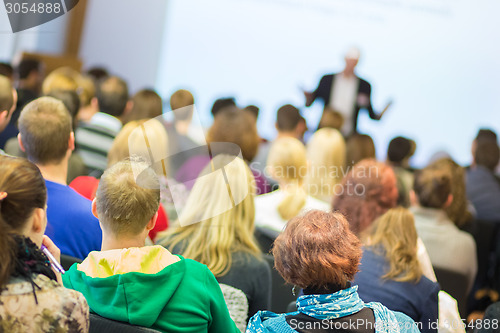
x,y
287,164
390,272
216,228
326,154
31,298
318,252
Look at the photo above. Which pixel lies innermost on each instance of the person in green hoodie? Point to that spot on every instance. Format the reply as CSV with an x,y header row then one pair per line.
x,y
144,285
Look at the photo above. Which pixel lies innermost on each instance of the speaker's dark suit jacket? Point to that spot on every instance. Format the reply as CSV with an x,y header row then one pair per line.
x,y
324,91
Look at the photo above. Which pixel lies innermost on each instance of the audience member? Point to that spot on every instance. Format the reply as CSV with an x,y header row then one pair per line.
x,y
214,231
146,104
62,78
318,252
460,211
29,75
367,192
144,285
359,147
76,167
221,104
46,136
8,100
88,100
289,123
399,152
98,73
95,138
331,119
326,153
254,110
448,247
483,188
287,164
132,140
183,137
23,266
390,272
7,70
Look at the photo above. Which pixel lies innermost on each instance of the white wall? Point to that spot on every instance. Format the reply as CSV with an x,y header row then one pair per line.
x,y
125,37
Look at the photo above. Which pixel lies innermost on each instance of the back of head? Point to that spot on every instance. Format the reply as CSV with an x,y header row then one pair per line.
x,y
485,134
147,104
87,90
221,104
487,154
6,96
26,67
331,119
112,95
287,118
218,218
316,250
432,186
367,192
288,165
254,110
63,78
399,149
394,236
124,207
359,147
98,73
22,190
238,127
179,102
7,70
458,209
326,153
70,100
45,129
139,137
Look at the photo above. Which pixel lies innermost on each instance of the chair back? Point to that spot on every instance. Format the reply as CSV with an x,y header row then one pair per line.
x,y
237,304
455,284
281,294
68,261
100,324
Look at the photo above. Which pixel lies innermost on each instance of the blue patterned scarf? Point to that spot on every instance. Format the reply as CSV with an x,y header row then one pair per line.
x,y
333,306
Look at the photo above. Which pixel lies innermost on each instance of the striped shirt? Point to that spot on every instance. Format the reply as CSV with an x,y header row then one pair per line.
x,y
94,139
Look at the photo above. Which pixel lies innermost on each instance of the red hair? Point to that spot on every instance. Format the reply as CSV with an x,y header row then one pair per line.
x,y
317,249
368,191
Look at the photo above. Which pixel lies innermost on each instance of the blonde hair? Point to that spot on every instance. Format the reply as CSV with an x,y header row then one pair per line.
x,y
288,162
223,229
125,207
141,137
62,78
395,236
326,155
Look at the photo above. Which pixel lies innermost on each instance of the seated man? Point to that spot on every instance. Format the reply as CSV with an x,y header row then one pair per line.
x,y
448,247
144,285
46,135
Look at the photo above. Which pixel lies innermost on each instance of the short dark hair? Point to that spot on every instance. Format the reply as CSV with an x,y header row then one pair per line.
x,y
98,73
222,103
254,110
485,134
288,118
112,95
487,154
26,66
432,186
6,70
399,149
317,249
